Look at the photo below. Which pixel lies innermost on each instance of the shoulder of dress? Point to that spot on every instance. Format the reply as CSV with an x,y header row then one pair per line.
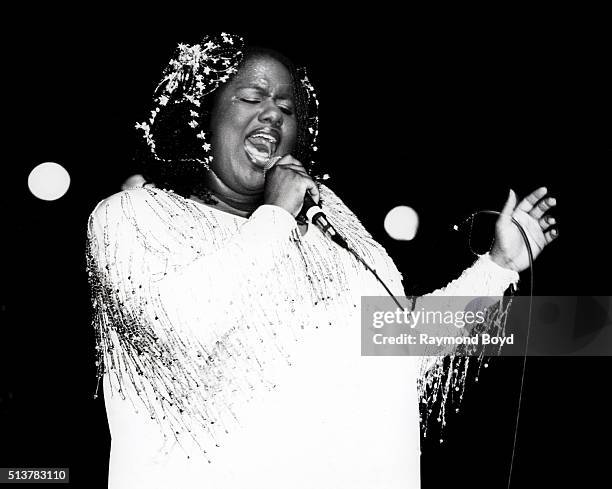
x,y
349,225
327,194
331,202
138,204
339,213
126,202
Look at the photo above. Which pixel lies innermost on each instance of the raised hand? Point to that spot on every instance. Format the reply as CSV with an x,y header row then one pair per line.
x,y
509,249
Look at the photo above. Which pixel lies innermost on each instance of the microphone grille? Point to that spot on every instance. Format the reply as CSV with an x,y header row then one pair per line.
x,y
271,162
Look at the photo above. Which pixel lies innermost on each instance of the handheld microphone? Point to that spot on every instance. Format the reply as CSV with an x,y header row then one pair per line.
x,y
315,214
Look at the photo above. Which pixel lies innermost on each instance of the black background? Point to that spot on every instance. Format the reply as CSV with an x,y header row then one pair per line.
x,y
443,112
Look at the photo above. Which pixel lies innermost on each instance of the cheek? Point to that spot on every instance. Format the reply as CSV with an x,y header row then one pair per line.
x,y
231,123
289,137
227,129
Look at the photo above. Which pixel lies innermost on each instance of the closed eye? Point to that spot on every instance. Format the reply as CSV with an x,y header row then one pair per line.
x,y
253,101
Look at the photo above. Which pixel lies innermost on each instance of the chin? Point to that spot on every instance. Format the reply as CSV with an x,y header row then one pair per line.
x,y
251,178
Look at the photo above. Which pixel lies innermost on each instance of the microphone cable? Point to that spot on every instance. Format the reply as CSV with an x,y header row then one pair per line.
x,y
531,286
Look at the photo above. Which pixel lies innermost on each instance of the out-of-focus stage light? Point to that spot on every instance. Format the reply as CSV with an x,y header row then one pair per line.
x,y
402,222
49,181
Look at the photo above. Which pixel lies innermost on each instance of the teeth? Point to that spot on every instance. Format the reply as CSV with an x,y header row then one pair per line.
x,y
262,135
267,141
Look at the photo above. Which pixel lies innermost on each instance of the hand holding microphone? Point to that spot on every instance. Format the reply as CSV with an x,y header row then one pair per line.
x,y
288,185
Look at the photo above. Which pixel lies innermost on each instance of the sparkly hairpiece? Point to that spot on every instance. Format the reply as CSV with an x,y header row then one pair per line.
x,y
312,120
194,73
197,71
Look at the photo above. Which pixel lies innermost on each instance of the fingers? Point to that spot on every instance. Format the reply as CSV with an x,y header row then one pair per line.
x,y
313,190
551,235
297,168
542,206
288,160
532,199
311,187
550,232
537,203
547,221
510,204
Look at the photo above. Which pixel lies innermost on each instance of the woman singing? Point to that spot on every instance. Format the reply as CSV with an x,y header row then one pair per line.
x,y
227,325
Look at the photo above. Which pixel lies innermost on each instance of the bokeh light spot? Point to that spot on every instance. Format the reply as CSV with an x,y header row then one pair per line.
x,y
402,223
49,181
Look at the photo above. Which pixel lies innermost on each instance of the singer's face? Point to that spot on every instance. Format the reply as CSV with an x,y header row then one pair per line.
x,y
253,119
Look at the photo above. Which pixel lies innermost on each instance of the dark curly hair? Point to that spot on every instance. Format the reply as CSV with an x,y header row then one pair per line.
x,y
178,165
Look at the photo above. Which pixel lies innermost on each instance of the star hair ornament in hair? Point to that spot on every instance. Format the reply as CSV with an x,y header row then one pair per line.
x,y
311,122
196,71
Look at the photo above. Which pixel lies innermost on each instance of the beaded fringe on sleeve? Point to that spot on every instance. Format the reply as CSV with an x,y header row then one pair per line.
x,y
442,379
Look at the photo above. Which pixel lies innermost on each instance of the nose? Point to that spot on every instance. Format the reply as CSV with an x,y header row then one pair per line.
x,y
271,114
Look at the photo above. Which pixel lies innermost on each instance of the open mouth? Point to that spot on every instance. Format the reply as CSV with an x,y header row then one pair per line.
x,y
260,147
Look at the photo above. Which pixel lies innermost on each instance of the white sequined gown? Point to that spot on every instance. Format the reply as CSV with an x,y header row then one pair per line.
x,y
230,349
